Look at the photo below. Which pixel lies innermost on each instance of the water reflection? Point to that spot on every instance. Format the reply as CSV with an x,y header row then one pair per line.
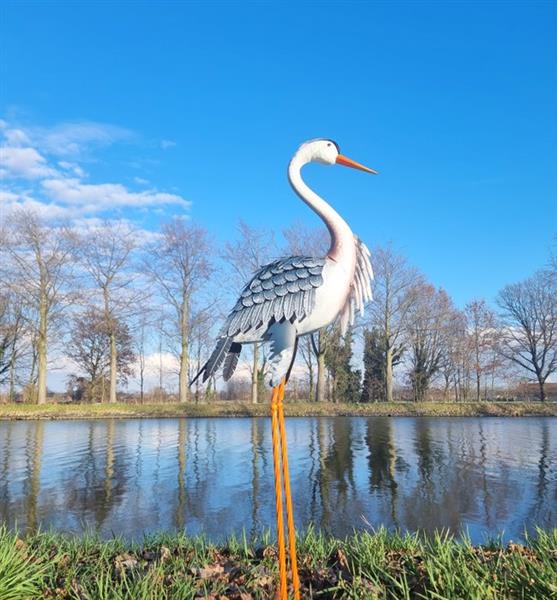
x,y
215,475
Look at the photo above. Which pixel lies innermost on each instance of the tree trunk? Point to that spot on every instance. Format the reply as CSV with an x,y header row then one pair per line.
x,y
34,480
320,395
183,376
254,375
113,350
541,383
41,352
11,389
389,375
446,389
198,381
113,366
311,384
160,368
142,366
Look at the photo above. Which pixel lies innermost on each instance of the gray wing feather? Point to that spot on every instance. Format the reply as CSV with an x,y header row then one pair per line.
x,y
278,308
256,317
267,284
231,361
289,306
247,302
267,312
290,276
316,280
281,290
305,284
292,287
234,324
246,319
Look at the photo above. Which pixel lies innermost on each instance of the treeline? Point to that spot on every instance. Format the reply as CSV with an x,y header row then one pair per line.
x,y
108,302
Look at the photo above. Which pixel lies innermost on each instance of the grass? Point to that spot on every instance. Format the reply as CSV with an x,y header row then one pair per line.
x,y
297,409
364,566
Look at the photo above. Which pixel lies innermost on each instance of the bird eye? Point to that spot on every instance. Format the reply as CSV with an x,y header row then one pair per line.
x,y
329,145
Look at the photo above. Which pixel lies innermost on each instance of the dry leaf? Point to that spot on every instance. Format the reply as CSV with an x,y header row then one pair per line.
x,y
125,562
209,571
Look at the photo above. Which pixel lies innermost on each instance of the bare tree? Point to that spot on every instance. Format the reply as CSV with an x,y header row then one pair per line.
x,y
179,265
143,326
529,337
14,339
35,268
106,254
429,323
455,363
482,330
253,248
89,347
9,332
201,343
395,289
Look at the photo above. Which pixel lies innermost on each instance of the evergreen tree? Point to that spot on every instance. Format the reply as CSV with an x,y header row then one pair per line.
x,y
373,386
338,358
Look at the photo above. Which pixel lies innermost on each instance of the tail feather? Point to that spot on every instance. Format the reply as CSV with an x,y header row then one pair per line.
x,y
216,359
231,360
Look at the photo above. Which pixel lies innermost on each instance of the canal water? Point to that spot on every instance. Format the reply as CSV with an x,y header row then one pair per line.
x,y
486,476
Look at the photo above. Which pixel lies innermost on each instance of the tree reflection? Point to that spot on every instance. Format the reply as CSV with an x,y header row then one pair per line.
x,y
180,513
257,453
35,439
382,459
5,496
336,466
97,481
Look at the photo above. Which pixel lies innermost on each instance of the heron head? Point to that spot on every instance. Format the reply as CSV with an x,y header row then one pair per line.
x,y
327,152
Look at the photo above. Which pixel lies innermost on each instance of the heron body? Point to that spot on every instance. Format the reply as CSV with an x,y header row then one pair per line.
x,y
289,298
298,295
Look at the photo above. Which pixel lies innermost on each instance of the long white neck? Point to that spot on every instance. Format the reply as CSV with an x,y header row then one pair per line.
x,y
342,238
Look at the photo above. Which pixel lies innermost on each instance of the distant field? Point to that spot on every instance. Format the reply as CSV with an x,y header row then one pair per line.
x,y
366,565
297,409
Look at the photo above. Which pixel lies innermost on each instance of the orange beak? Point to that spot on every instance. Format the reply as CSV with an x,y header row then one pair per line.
x,y
348,162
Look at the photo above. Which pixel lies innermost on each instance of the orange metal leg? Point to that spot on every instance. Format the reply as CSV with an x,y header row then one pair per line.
x,y
288,496
283,586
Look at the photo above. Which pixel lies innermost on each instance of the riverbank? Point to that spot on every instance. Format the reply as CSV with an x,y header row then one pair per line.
x,y
365,565
294,409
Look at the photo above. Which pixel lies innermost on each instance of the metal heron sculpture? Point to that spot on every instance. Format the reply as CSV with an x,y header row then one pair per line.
x,y
289,298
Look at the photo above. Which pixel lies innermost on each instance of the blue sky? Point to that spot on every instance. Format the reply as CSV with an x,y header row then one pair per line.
x,y
144,111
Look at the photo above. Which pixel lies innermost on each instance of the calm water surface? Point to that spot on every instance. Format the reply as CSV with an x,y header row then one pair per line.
x,y
484,475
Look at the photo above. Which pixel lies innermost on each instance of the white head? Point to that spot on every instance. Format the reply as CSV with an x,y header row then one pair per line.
x,y
326,152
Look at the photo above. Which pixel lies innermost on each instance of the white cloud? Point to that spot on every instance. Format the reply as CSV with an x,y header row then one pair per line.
x,y
57,186
12,201
165,144
73,167
98,197
27,163
156,360
17,137
72,139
